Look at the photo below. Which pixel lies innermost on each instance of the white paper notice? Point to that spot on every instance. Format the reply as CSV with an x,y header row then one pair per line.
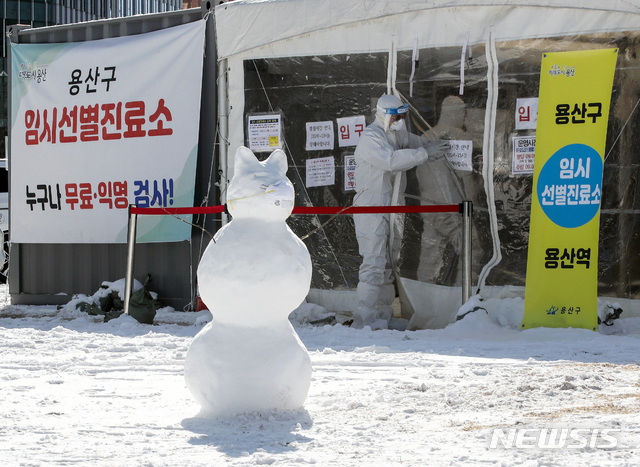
x,y
527,113
319,136
321,171
265,132
459,154
350,173
524,151
349,130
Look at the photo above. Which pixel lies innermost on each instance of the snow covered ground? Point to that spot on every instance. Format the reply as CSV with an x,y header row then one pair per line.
x,y
77,391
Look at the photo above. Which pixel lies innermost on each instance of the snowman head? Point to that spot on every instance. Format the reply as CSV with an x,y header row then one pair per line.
x,y
260,189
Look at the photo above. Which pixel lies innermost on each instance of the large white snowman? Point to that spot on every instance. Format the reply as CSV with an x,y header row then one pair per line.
x,y
255,272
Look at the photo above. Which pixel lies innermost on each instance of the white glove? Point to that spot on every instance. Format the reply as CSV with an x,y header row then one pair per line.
x,y
436,148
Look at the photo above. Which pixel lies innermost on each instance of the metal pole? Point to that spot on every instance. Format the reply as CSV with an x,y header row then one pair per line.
x,y
131,249
466,209
223,125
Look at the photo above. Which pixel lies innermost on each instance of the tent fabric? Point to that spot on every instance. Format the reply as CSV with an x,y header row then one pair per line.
x,y
243,25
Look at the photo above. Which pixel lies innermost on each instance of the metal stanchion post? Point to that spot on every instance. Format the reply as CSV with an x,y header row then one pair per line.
x,y
131,246
466,208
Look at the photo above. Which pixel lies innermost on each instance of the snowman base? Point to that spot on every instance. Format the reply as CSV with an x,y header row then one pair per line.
x,y
234,369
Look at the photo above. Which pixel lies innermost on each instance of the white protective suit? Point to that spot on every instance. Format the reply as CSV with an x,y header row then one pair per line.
x,y
381,153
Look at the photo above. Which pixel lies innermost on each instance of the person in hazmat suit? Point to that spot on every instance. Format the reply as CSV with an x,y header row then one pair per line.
x,y
385,148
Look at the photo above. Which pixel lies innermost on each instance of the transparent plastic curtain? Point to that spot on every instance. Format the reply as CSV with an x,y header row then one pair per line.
x,y
317,89
431,243
324,88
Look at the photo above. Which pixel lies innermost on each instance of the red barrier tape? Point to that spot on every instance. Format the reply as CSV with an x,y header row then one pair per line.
x,y
375,209
302,210
176,211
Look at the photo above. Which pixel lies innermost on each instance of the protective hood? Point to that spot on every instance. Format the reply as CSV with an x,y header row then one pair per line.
x,y
389,106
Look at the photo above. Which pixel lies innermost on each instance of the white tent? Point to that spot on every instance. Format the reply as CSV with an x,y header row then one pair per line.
x,y
305,60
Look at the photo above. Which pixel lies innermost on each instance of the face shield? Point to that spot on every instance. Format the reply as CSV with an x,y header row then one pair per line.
x,y
393,118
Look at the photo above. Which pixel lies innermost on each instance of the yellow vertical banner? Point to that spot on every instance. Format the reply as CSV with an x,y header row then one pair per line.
x,y
562,265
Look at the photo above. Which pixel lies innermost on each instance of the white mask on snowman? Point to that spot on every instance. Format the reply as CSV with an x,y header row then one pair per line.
x,y
280,194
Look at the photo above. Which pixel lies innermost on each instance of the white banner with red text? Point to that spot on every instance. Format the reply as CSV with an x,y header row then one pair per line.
x,y
99,125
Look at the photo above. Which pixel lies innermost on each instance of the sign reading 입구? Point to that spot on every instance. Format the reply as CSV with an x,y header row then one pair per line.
x,y
562,266
99,125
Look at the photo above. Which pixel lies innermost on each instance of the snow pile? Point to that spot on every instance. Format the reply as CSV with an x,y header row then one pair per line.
x,y
108,301
508,312
310,313
251,277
